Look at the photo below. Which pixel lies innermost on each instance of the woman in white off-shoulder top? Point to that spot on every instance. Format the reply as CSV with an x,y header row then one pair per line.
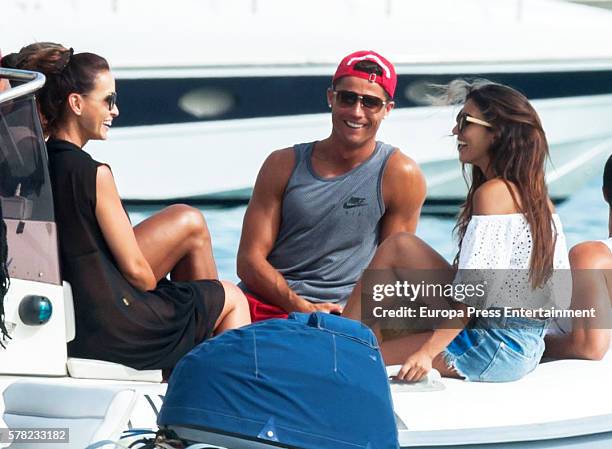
x,y
510,241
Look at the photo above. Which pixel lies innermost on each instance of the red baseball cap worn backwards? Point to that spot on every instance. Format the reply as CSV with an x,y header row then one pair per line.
x,y
388,80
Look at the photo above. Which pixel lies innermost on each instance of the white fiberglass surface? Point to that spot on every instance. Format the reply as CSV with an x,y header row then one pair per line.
x,y
143,413
34,350
556,391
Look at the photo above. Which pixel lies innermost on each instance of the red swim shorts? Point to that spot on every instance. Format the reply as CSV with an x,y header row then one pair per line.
x,y
261,310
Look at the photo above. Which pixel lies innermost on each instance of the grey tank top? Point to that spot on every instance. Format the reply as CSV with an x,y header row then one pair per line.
x,y
329,227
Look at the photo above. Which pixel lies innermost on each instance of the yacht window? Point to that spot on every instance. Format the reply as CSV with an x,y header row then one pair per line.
x,y
207,102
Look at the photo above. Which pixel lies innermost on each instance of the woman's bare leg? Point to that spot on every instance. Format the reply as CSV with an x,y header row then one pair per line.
x,y
176,241
400,251
235,311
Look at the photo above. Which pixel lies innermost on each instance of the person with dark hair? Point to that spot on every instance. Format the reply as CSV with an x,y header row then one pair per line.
x,y
126,310
36,57
320,209
588,338
506,223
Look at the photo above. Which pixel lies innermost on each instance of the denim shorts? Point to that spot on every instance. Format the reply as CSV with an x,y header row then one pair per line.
x,y
497,349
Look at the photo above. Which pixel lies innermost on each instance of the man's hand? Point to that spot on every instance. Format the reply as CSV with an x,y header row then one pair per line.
x,y
327,307
416,366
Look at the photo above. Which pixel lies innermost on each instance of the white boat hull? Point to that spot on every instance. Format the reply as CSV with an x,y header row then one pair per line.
x,y
220,160
277,57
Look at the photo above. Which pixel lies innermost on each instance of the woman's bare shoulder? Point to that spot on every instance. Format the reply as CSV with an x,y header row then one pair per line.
x,y
495,197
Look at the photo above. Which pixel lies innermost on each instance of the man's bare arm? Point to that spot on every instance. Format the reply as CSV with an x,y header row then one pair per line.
x,y
259,231
590,337
404,191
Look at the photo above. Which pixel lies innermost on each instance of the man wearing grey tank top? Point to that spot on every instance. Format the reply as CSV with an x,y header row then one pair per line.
x,y
320,209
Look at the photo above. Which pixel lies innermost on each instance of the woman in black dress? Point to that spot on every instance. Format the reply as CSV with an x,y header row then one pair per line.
x,y
126,310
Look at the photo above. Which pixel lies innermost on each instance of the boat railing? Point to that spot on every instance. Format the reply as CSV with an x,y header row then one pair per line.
x,y
32,81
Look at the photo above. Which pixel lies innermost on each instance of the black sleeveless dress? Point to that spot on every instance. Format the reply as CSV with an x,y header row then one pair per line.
x,y
114,320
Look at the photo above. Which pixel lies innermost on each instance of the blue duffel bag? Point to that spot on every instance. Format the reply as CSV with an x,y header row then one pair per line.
x,y
312,381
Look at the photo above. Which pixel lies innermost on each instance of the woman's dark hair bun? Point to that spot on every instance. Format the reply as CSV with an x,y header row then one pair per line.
x,y
66,73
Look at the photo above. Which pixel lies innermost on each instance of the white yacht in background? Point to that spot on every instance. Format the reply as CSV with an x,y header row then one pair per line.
x,y
208,88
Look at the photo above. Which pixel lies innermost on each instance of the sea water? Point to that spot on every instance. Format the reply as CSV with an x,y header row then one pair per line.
x,y
584,216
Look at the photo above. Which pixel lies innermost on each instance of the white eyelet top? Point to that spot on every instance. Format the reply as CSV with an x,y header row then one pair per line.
x,y
502,244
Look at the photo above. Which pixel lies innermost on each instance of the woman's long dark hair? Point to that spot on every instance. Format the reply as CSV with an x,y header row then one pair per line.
x,y
518,156
4,276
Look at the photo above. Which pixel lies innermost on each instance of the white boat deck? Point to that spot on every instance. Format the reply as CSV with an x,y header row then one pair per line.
x,y
559,399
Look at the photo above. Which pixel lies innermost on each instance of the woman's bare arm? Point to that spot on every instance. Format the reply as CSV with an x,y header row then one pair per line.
x,y
118,233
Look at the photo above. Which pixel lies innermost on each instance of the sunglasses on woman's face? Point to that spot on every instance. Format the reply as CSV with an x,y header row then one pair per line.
x,y
348,99
111,100
464,119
